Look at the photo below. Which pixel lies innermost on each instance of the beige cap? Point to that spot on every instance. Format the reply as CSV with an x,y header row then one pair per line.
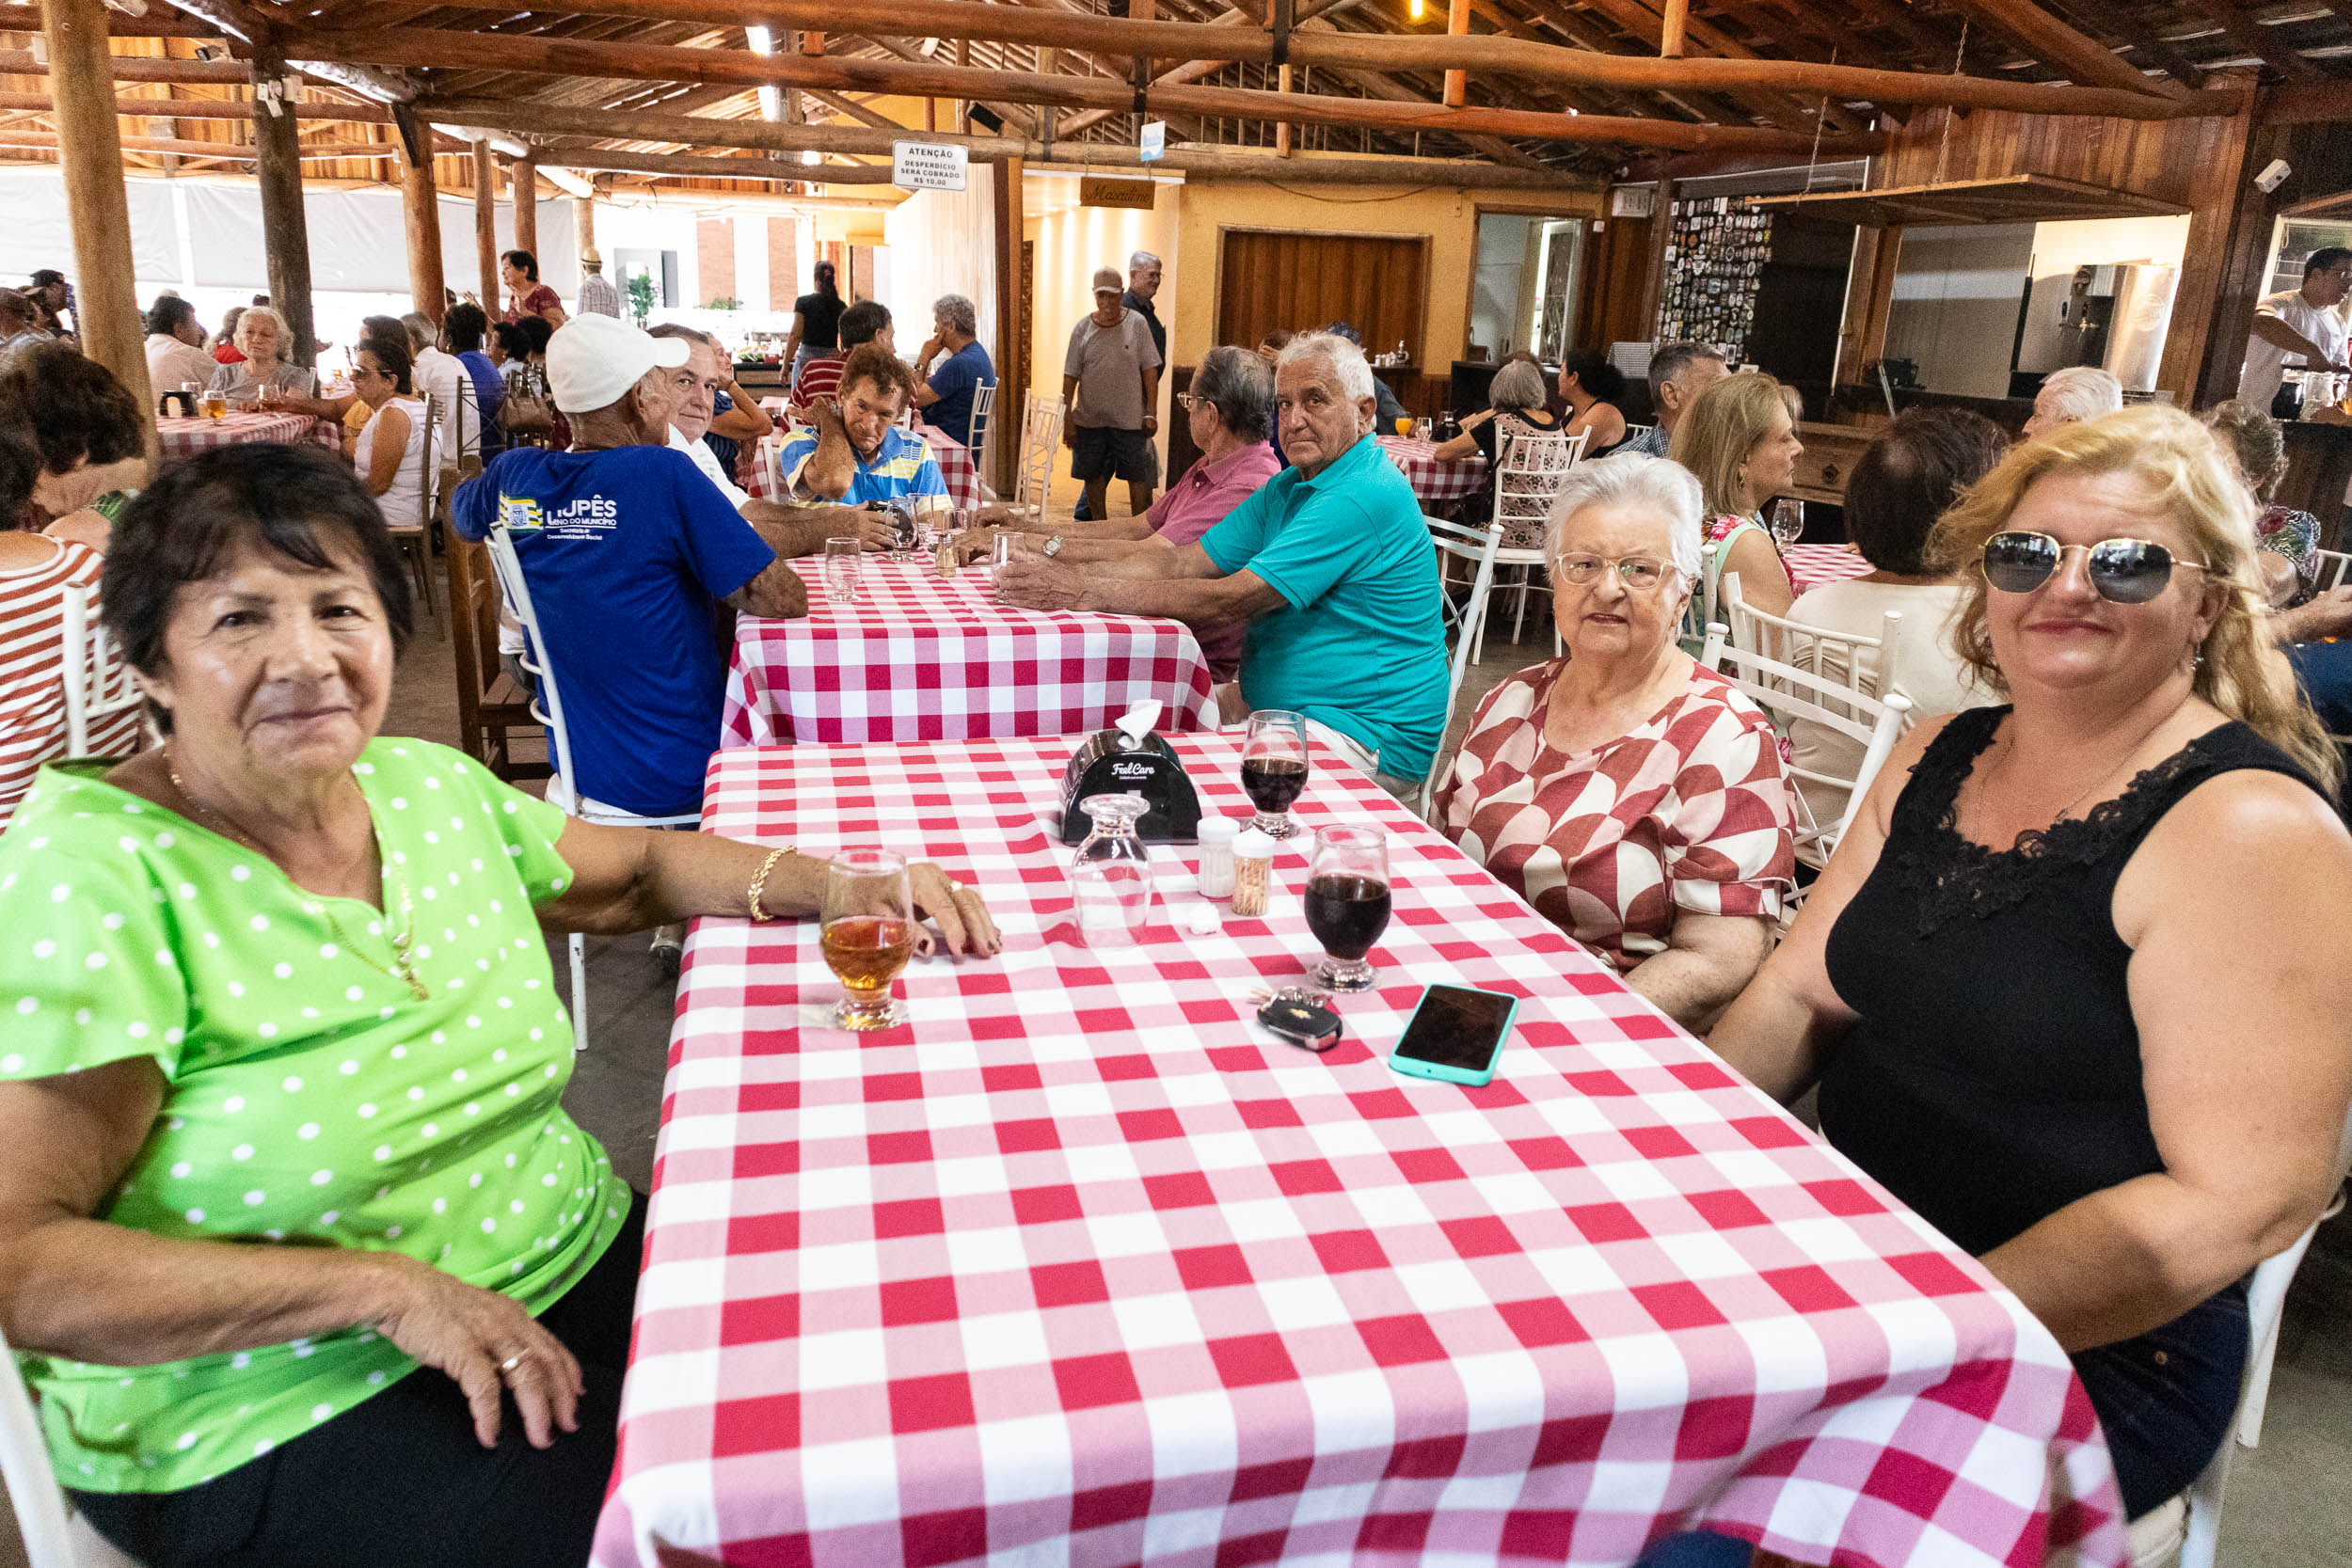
x,y
1107,280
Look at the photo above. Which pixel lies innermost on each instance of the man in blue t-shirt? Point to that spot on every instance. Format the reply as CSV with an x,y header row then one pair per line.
x,y
628,553
1329,563
945,394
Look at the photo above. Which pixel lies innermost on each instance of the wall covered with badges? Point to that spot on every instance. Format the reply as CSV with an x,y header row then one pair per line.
x,y
1714,256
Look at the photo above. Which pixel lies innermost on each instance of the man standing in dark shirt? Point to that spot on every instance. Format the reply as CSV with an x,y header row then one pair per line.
x,y
1143,284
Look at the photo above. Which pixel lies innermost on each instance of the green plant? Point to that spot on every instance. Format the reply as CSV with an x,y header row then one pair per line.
x,y
640,297
726,302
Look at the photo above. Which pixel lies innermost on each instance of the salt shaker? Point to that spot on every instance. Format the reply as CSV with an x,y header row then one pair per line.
x,y
1253,872
1217,856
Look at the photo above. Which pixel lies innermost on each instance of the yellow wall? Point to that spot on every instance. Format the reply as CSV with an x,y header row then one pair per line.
x,y
1448,217
1072,241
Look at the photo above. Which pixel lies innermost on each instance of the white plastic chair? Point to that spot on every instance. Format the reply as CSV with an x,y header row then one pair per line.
x,y
1837,661
563,789
1786,691
1476,549
1529,467
984,406
98,682
2329,569
55,1535
1040,435
2265,1301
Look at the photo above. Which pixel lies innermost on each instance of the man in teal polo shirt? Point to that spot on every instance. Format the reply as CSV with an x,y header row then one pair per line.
x,y
1329,563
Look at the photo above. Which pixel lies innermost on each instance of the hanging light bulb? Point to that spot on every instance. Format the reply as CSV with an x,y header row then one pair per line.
x,y
1415,9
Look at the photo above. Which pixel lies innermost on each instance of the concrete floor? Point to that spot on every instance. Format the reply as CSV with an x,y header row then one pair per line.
x,y
2290,1502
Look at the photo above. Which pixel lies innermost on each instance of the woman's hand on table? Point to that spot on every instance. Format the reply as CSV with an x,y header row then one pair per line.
x,y
964,923
472,1334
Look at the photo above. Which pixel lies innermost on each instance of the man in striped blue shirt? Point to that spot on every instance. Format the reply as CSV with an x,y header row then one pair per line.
x,y
857,455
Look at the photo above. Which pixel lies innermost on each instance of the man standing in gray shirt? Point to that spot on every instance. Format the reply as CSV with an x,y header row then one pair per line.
x,y
1111,380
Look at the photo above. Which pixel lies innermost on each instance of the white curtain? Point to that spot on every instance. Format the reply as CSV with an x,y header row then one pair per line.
x,y
37,233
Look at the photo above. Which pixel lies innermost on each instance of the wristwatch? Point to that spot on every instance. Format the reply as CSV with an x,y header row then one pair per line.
x,y
1053,547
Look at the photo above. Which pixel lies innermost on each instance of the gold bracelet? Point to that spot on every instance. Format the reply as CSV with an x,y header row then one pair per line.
x,y
759,880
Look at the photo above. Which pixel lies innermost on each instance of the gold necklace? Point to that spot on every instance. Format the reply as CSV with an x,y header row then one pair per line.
x,y
405,968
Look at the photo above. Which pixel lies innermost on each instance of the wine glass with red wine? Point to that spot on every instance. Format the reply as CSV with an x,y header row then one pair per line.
x,y
868,934
1347,903
1274,768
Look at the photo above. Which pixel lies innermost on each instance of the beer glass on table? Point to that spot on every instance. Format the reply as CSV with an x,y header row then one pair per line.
x,y
1788,521
1274,768
868,934
214,406
1347,903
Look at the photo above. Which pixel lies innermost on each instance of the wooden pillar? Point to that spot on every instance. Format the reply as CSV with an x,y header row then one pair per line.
x,y
89,145
1457,26
1013,371
1670,33
1282,127
285,225
1653,276
486,218
584,227
421,215
523,186
1869,300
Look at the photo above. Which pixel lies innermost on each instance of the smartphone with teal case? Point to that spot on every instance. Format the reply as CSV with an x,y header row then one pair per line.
x,y
1455,1034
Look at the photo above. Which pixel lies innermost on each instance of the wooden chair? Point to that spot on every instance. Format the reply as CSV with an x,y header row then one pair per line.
x,y
490,706
415,540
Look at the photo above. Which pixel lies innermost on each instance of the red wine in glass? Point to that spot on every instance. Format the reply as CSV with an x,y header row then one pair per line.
x,y
1347,902
1274,768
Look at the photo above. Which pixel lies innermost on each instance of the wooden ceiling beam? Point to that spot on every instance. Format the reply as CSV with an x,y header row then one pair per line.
x,y
429,49
2255,39
2056,45
686,166
240,153
129,68
2144,42
204,108
1808,80
156,23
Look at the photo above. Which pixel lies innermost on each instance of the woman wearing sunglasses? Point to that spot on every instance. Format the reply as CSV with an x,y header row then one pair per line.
x,y
2072,986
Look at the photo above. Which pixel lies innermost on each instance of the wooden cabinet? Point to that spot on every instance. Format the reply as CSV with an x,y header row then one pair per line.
x,y
1831,452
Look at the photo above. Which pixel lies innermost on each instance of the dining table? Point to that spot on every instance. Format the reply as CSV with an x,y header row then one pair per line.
x,y
956,467
1435,483
183,437
918,656
1080,1265
1812,566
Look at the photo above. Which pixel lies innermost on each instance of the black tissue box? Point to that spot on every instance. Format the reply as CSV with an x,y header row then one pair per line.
x,y
1110,764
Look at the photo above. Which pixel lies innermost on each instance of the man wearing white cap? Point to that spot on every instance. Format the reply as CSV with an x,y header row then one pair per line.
x,y
628,552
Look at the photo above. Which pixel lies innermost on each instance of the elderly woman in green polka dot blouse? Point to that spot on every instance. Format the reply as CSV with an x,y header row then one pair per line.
x,y
281,1068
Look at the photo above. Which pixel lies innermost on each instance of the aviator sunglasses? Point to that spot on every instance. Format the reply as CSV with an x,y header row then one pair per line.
x,y
2123,571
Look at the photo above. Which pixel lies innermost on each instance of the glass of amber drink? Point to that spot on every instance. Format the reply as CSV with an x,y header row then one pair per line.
x,y
868,934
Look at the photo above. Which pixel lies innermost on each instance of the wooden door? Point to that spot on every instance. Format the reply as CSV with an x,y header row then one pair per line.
x,y
1270,279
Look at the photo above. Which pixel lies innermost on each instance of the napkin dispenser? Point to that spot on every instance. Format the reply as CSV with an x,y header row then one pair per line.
x,y
1132,757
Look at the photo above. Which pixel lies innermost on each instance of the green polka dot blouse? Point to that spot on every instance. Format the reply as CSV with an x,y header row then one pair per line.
x,y
311,1098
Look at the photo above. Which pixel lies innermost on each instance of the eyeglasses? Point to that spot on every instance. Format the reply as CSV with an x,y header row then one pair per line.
x,y
2124,571
1638,573
1187,402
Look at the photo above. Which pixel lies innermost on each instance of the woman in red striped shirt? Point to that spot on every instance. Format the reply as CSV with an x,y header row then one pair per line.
x,y
36,572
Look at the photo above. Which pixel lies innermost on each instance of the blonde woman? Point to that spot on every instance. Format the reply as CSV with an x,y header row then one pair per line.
x,y
2073,984
1738,438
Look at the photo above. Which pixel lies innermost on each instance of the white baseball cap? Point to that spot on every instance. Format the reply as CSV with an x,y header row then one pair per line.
x,y
593,360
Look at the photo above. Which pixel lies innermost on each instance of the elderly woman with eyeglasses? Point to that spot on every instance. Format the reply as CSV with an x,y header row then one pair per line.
x,y
264,373
1636,800
2073,984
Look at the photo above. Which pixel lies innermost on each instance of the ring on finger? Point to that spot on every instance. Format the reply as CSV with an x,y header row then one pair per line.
x,y
508,1366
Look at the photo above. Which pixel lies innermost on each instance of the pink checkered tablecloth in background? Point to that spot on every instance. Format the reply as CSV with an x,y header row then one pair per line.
x,y
1081,1267
921,658
1812,566
183,437
1434,482
955,464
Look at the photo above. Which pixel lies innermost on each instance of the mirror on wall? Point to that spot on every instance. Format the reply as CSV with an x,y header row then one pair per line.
x,y
1524,280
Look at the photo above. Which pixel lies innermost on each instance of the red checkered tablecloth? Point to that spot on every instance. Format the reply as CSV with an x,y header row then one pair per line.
x,y
921,658
1434,482
1810,566
1083,1268
183,437
955,464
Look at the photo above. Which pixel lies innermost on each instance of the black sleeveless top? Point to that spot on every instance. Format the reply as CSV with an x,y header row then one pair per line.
x,y
1995,1076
